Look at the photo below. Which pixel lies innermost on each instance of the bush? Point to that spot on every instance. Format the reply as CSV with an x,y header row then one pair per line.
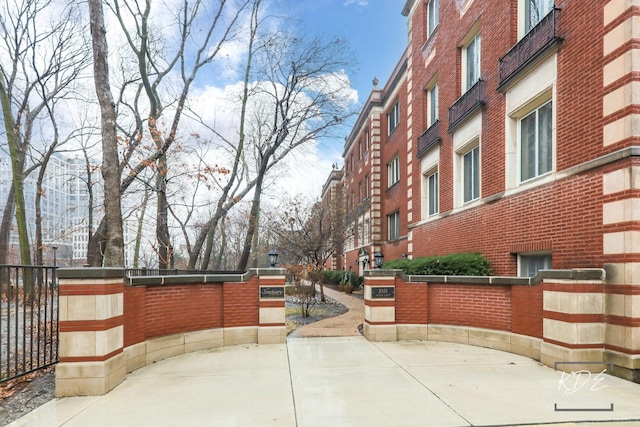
x,y
463,264
336,277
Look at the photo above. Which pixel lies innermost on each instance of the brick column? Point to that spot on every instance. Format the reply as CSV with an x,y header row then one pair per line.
x,y
573,320
621,185
272,328
91,331
379,306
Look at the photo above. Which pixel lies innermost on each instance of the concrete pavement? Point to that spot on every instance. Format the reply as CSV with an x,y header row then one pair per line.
x,y
349,381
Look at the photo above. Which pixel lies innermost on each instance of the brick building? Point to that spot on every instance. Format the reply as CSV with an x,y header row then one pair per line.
x,y
510,128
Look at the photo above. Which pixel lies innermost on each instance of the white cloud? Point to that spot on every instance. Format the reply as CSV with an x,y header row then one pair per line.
x,y
356,2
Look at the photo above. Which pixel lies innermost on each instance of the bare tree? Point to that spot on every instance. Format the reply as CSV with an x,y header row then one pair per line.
x,y
43,51
304,97
202,29
310,234
114,248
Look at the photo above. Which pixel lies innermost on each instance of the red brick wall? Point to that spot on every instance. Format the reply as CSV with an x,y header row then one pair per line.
x,y
155,311
565,218
134,315
241,306
411,303
512,308
526,303
470,305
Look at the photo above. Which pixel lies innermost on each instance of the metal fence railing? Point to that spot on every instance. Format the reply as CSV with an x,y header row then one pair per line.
x,y
137,272
28,319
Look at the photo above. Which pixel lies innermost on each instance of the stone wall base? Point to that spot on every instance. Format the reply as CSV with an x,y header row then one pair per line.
x,y
89,378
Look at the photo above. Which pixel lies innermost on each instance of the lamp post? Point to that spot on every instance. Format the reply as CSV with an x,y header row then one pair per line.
x,y
379,259
273,258
55,261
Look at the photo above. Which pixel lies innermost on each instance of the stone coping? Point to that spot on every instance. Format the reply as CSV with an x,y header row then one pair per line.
x,y
185,279
90,273
597,274
117,272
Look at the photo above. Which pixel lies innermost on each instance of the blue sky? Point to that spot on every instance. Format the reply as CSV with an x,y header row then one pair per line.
x,y
377,35
375,29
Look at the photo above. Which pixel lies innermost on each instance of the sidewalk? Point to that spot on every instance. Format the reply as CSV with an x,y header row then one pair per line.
x,y
339,326
346,380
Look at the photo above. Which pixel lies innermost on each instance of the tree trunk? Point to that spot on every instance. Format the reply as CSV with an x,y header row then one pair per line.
x,y
5,226
114,251
136,252
254,217
162,215
18,183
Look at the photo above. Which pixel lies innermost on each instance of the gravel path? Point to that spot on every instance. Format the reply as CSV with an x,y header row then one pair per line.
x,y
344,325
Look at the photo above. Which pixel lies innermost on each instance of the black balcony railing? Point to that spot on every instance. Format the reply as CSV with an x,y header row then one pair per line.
x,y
429,138
535,43
466,105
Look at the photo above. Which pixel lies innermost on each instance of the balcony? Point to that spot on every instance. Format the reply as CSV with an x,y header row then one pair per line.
x,y
429,138
466,105
541,39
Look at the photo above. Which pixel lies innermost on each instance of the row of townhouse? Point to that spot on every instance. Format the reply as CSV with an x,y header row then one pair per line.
x,y
510,128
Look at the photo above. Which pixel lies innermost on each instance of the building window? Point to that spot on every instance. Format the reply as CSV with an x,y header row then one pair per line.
x,y
367,186
432,16
471,63
366,142
529,265
534,11
536,142
393,222
471,174
432,105
393,171
393,117
360,153
432,193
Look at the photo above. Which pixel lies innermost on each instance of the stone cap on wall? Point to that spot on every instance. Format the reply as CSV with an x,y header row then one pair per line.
x,y
184,279
90,273
598,274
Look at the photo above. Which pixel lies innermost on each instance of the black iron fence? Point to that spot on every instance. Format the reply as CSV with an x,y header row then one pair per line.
x,y
28,319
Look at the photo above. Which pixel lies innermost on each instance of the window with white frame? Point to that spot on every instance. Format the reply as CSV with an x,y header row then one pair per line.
x,y
393,222
393,118
432,104
530,264
367,142
471,63
534,11
536,142
432,192
393,171
367,186
470,174
432,16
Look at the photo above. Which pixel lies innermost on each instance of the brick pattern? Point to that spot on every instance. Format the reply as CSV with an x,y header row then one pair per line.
x,y
156,311
470,305
526,303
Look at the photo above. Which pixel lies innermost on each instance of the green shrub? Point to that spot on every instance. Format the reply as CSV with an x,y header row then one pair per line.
x,y
336,277
463,264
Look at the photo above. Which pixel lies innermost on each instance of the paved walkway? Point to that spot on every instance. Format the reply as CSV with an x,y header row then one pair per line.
x,y
349,381
339,326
